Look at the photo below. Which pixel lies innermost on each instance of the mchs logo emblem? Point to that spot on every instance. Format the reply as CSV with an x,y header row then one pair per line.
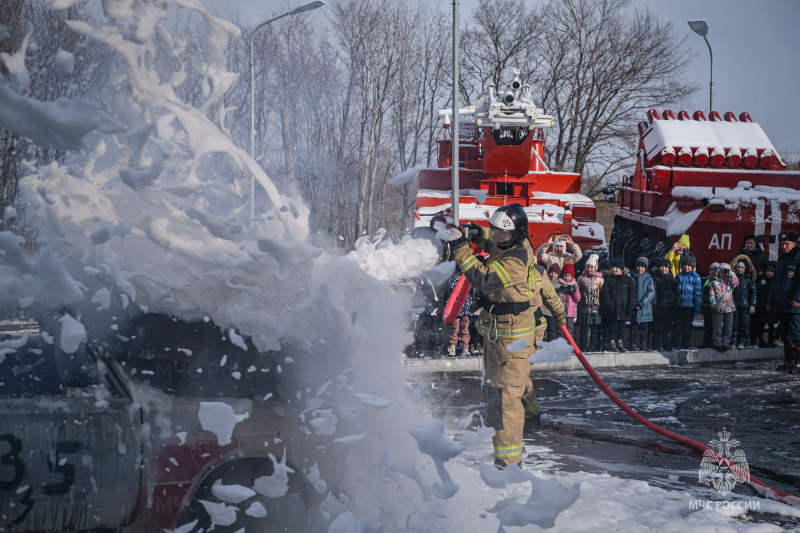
x,y
724,475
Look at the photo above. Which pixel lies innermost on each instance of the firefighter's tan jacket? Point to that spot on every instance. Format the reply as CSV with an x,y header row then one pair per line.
x,y
504,278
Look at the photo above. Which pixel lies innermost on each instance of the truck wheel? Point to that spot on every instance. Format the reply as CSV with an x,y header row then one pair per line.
x,y
632,240
662,248
615,241
285,513
648,247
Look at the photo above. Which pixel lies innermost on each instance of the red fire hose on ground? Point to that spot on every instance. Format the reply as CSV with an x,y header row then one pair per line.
x,y
758,486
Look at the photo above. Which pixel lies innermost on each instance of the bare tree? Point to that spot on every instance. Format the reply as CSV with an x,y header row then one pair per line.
x,y
595,65
422,89
602,68
503,35
308,84
370,35
81,74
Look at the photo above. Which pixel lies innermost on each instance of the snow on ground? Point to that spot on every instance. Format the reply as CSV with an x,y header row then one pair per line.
x,y
138,211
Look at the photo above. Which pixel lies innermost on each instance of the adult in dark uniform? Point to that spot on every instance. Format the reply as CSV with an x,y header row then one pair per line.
x,y
784,299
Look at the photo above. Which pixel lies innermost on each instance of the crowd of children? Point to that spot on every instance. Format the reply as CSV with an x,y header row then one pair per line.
x,y
654,307
651,308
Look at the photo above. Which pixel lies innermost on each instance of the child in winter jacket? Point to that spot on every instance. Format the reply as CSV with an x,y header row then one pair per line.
x,y
745,298
570,295
676,253
664,307
705,308
617,300
590,282
551,333
690,295
723,307
645,292
763,317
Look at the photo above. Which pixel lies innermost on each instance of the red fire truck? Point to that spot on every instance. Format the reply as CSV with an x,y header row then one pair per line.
x,y
717,180
501,161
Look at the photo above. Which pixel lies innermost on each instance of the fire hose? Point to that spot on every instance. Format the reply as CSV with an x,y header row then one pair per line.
x,y
760,487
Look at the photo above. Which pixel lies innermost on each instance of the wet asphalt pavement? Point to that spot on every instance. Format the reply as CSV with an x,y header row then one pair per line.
x,y
585,431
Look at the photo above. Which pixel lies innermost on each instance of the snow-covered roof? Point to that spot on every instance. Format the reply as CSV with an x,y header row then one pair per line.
x,y
536,195
563,197
710,134
743,193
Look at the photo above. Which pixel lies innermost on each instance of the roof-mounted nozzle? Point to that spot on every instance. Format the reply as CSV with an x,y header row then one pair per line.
x,y
507,98
515,85
513,108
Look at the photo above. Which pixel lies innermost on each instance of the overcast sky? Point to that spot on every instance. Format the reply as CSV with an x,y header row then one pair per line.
x,y
755,43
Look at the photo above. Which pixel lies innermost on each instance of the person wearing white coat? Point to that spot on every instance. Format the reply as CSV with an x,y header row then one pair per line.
x,y
559,255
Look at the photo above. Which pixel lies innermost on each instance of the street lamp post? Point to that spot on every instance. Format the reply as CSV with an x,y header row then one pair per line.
x,y
302,9
454,156
701,28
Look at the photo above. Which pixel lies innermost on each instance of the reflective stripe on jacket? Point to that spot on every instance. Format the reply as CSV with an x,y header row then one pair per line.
x,y
502,277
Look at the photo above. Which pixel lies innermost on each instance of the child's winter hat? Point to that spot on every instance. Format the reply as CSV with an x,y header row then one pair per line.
x,y
771,265
742,264
605,264
642,262
555,267
688,259
714,266
592,261
568,269
724,266
618,263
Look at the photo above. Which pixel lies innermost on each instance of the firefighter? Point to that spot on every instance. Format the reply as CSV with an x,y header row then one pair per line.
x,y
511,296
784,299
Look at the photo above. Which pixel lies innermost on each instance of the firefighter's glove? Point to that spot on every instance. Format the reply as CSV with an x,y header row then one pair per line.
x,y
471,230
455,238
561,319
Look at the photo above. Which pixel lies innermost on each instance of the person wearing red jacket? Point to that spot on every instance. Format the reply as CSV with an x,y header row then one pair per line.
x,y
570,295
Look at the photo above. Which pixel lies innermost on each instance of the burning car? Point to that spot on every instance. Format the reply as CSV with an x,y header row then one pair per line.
x,y
166,422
